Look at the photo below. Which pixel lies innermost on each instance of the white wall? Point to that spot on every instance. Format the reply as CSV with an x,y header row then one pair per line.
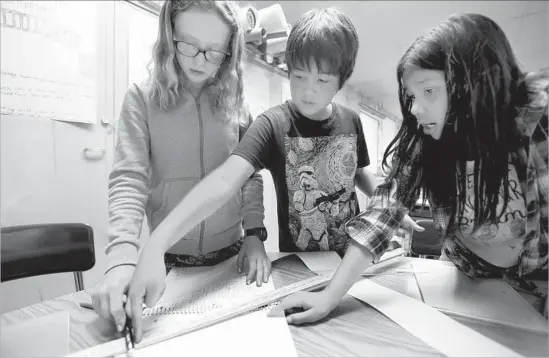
x,y
45,177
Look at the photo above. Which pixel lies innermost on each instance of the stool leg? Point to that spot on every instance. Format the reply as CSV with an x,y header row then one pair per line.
x,y
78,281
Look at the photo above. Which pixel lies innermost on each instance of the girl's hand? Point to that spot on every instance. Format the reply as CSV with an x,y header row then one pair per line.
x,y
315,306
259,264
408,224
108,296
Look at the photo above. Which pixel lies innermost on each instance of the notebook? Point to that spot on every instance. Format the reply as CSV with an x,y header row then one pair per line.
x,y
192,292
197,290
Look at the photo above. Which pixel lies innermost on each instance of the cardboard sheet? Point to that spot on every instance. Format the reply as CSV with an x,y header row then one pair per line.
x,y
426,323
444,287
320,262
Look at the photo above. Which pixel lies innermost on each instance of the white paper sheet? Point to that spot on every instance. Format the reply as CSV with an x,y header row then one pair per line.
x,y
251,335
445,287
46,336
426,323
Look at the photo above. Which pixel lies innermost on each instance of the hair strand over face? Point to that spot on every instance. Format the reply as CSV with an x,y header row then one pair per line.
x,y
485,89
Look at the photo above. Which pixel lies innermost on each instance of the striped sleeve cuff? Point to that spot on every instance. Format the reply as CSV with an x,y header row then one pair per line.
x,y
121,252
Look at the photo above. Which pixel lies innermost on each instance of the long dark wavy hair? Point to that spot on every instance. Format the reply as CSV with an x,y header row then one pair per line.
x,y
485,89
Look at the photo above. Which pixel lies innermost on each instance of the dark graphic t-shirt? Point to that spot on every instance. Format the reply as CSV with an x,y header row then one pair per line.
x,y
313,165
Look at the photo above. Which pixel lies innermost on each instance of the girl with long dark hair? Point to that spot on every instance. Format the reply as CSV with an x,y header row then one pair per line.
x,y
473,142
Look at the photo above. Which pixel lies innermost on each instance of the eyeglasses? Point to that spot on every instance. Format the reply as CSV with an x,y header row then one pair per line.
x,y
190,50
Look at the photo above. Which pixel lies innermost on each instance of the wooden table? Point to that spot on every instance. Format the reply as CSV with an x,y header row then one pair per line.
x,y
352,329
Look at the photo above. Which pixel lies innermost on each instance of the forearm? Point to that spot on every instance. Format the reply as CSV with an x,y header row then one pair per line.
x,y
366,181
203,200
253,211
128,182
127,200
356,260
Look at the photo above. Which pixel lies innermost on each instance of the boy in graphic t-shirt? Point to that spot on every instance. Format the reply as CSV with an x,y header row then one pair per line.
x,y
314,149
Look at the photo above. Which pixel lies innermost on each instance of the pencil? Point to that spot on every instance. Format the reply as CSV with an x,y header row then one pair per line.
x,y
86,305
128,336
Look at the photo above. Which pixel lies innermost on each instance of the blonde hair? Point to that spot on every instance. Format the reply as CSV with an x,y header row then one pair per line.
x,y
226,89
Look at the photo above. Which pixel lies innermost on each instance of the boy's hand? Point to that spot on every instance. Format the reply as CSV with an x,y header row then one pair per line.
x,y
258,262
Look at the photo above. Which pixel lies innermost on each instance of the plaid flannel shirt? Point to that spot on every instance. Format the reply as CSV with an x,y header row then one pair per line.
x,y
374,227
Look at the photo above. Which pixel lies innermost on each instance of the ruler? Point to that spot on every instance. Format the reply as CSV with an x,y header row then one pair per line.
x,y
118,346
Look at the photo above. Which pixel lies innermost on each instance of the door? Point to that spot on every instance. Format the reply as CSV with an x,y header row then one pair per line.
x,y
370,126
53,141
388,133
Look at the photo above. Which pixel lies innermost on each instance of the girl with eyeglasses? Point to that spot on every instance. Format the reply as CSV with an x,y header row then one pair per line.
x,y
174,129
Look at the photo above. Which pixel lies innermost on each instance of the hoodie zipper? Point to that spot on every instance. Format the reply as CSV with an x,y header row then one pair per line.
x,y
202,165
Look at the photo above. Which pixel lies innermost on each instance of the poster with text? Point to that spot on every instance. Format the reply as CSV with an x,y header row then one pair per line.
x,y
49,60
